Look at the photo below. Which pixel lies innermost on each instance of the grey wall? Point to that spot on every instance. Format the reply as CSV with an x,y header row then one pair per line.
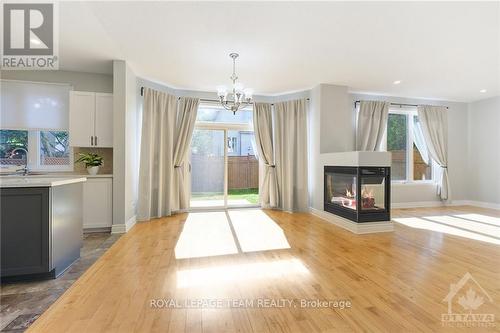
x,y
79,80
131,147
484,151
125,156
330,130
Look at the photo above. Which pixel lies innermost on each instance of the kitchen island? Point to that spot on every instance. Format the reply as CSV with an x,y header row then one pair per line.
x,y
41,226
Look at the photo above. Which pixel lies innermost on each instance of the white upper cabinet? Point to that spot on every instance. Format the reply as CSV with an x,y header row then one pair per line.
x,y
81,118
90,119
104,120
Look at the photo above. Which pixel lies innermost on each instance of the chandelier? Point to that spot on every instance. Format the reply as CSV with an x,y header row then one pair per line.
x,y
239,97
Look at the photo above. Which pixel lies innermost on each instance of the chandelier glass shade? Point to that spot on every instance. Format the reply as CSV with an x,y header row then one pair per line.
x,y
238,97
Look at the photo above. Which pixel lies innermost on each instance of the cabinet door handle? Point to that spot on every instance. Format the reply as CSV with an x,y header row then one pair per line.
x,y
91,140
96,140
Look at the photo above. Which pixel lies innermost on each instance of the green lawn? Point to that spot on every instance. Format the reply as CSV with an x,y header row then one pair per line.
x,y
249,194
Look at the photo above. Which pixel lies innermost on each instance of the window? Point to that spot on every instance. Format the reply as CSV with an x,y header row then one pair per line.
x,y
47,150
397,131
224,168
214,113
10,142
34,117
410,157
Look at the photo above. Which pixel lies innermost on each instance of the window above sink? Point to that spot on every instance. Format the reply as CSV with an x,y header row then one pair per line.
x,y
47,150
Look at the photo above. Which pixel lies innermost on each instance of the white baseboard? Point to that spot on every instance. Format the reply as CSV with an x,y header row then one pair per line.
x,y
96,230
417,204
422,204
123,228
357,228
481,204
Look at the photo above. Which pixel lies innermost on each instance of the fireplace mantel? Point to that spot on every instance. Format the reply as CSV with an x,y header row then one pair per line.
x,y
358,159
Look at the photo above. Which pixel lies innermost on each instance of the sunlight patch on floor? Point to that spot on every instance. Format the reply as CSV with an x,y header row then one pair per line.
x,y
422,223
205,234
482,228
481,218
256,231
240,272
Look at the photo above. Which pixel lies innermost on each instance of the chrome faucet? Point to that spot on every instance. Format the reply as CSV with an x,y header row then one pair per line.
x,y
24,170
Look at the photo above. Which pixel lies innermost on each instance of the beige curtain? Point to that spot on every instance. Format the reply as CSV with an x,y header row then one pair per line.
x,y
372,123
290,137
434,122
157,151
186,119
263,130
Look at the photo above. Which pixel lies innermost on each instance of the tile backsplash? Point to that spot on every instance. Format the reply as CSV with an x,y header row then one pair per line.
x,y
106,153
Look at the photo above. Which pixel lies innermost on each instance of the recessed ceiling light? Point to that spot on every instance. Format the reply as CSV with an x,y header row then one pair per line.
x,y
35,41
482,90
397,82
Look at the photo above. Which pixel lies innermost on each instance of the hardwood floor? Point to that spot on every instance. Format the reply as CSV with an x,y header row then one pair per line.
x,y
396,282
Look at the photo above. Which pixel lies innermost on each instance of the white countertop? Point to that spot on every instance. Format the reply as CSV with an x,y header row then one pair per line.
x,y
39,181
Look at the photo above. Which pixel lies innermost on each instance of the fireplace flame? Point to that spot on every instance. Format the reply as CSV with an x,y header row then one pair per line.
x,y
348,193
366,193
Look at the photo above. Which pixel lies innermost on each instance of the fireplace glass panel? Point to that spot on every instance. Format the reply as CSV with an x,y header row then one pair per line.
x,y
341,190
372,193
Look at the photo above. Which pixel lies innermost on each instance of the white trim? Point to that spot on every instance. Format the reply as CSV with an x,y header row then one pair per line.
x,y
118,229
481,204
92,230
417,204
38,82
357,228
423,204
414,183
123,228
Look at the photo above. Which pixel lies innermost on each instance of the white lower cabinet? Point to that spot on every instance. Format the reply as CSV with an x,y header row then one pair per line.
x,y
98,203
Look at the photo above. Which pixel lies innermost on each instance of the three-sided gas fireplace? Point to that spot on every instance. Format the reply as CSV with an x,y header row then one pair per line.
x,y
360,194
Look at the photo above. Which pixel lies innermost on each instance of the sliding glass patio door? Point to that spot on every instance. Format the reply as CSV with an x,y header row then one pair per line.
x,y
208,168
224,168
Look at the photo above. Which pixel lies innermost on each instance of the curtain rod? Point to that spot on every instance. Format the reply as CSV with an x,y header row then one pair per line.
x,y
201,99
396,104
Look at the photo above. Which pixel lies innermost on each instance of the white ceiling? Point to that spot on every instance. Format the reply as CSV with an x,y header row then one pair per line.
x,y
445,50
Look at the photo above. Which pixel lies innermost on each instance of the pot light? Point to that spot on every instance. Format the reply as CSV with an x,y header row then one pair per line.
x,y
482,90
397,82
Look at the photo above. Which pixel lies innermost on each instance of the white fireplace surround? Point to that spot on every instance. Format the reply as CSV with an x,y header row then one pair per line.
x,y
356,159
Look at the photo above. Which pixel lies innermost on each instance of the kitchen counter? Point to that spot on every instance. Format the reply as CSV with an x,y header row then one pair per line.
x,y
38,181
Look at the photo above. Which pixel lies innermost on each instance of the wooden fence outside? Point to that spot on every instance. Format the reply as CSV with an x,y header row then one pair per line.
x,y
398,168
242,172
207,173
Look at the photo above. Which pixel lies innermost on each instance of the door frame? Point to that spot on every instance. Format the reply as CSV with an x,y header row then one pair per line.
x,y
225,127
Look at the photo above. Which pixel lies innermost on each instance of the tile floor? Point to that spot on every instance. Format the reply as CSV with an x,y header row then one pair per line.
x,y
21,303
